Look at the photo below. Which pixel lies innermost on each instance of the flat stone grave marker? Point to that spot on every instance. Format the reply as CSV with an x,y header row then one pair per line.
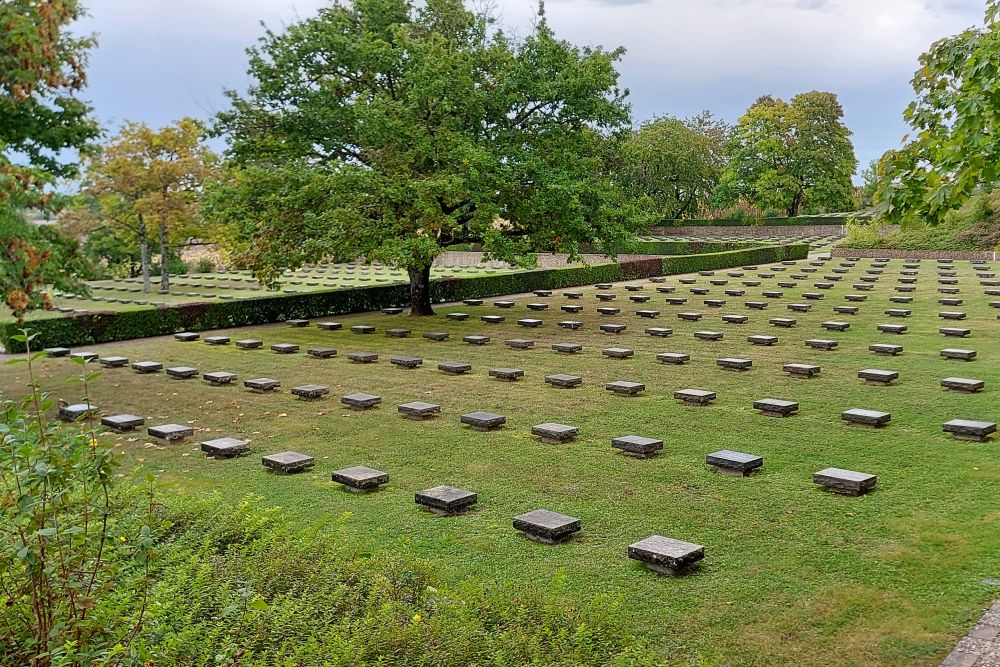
x,y
538,306
457,317
734,464
122,423
613,328
445,500
834,325
506,374
698,397
885,349
573,295
310,392
476,340
800,307
901,299
437,336
821,344
633,288
186,336
77,411
56,352
708,335
397,333
676,300
771,294
220,378
648,314
406,361
567,348
483,421
492,319
762,340
783,322
503,304
963,385
472,302
455,367
182,372
571,308
867,418
964,429
392,310
297,323
288,462
519,343
87,357
659,332
618,352
554,434
715,303
802,370
563,381
361,401
951,302
322,352
846,310
542,292
249,344
625,388
898,329
330,326
570,324
530,323
225,448
898,312
363,329
637,446
638,298
751,283
674,358
362,357
114,362
546,526
774,407
856,298
845,482
261,385
954,332
285,348
958,355
608,311
878,378
735,319
690,316
734,364
699,291
217,340
419,410
666,556
735,292
170,432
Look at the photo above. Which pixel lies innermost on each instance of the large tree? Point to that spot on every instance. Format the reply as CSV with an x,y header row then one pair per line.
x,y
43,126
390,129
795,156
676,163
143,180
954,144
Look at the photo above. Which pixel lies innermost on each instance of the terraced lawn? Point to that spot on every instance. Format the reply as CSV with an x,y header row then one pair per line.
x,y
792,574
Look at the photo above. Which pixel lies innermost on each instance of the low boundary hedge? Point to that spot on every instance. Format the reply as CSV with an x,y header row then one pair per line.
x,y
106,327
644,247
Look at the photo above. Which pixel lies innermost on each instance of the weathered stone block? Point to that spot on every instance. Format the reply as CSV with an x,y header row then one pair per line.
x,y
666,556
563,381
445,500
419,410
697,397
506,374
170,432
261,385
288,462
182,372
868,418
225,448
122,423
361,401
546,526
845,482
310,392
637,446
736,464
624,388
483,421
455,367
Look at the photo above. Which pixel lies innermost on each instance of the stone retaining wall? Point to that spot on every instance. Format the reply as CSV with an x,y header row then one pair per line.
x,y
751,231
545,261
985,255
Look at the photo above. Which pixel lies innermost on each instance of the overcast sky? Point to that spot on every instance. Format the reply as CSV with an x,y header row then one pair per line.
x,y
159,60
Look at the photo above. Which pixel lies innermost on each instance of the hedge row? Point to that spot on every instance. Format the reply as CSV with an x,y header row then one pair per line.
x,y
106,327
800,221
691,247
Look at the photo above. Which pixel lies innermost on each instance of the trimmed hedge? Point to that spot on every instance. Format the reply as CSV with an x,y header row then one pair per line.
x,y
799,221
106,327
691,247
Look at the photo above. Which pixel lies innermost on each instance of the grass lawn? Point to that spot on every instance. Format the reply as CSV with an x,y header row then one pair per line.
x,y
792,574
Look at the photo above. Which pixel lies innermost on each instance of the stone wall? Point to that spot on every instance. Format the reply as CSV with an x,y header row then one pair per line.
x,y
545,260
985,255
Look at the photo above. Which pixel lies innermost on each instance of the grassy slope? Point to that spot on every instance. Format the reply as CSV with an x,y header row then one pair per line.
x,y
792,574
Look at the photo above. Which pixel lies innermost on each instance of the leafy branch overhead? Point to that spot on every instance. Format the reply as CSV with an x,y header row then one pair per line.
x,y
391,130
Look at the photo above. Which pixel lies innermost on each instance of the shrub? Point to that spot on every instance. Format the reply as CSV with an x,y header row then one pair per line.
x,y
204,265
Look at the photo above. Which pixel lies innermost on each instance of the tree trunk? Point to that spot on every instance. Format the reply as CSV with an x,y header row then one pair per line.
x,y
420,291
164,261
793,210
144,253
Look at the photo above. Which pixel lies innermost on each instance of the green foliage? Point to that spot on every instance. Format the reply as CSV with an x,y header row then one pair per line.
x,y
390,129
165,320
646,247
740,219
674,163
69,532
955,123
234,585
793,156
204,265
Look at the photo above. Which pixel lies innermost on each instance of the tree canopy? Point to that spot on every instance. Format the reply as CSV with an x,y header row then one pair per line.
x,y
794,156
391,129
954,145
676,163
142,180
43,126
